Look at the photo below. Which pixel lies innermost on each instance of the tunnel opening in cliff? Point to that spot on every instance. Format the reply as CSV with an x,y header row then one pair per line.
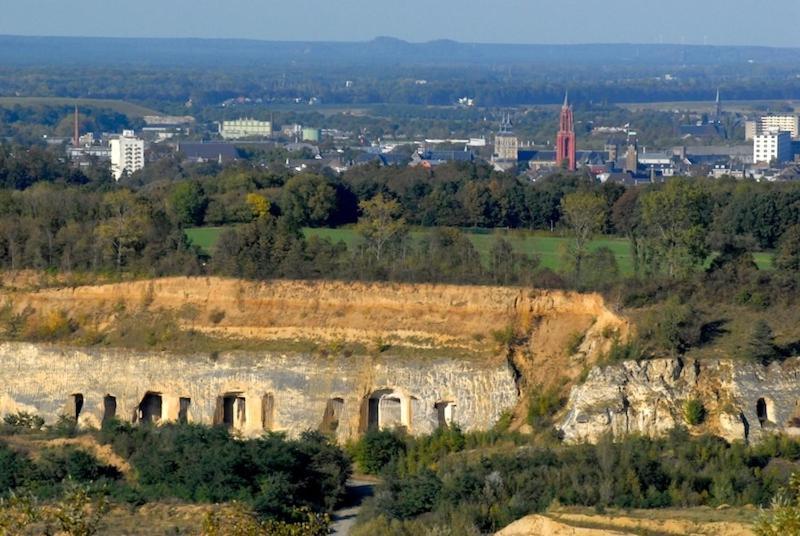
x,y
383,410
75,405
445,413
332,415
109,408
231,410
150,408
184,403
268,412
761,412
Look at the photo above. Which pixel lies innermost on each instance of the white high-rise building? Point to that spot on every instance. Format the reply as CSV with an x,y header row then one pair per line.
x,y
774,145
127,154
786,123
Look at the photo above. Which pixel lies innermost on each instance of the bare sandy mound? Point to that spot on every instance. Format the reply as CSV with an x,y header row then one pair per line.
x,y
538,525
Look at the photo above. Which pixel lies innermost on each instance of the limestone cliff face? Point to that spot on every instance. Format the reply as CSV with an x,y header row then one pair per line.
x,y
253,392
501,341
743,401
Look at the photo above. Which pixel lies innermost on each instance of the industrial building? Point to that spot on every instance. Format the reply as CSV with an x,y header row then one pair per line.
x,y
245,128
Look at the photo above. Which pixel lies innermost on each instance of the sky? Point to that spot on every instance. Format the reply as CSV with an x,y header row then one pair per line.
x,y
713,22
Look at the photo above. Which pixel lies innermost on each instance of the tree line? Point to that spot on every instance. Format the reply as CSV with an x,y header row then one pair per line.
x,y
700,231
431,484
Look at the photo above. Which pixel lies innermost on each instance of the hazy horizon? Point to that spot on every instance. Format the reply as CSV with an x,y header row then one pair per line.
x,y
367,40
712,22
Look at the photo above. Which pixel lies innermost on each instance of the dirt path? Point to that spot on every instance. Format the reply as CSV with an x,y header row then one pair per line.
x,y
358,489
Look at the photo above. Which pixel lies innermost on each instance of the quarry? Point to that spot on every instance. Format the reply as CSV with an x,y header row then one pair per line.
x,y
344,358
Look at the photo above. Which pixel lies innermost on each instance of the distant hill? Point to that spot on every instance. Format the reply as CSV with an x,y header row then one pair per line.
x,y
50,51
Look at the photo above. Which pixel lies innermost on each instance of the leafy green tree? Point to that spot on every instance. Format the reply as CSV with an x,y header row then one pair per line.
x,y
123,226
188,203
308,199
585,214
626,219
381,225
783,516
761,343
787,257
675,219
376,449
672,326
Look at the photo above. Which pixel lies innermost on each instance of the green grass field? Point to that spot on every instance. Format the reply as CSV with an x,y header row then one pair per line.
x,y
123,107
547,246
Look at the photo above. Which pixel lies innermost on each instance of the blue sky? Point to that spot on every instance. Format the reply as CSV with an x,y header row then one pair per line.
x,y
715,22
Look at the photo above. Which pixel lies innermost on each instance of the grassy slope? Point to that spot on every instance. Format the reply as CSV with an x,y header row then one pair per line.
x,y
547,246
123,107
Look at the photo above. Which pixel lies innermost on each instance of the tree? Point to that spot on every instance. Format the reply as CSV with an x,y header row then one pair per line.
x,y
258,204
673,326
675,218
376,449
626,219
788,255
308,199
381,225
585,214
123,226
783,517
761,344
188,203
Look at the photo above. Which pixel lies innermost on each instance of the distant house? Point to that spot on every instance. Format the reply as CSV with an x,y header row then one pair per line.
x,y
208,151
707,130
436,158
382,159
538,159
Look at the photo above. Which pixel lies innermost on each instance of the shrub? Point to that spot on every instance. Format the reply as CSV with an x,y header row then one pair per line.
x,y
505,336
761,344
694,412
673,326
574,342
24,420
206,464
216,316
376,449
619,351
65,427
543,405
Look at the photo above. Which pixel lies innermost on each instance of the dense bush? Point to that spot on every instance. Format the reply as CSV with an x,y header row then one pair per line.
x,y
694,412
487,493
47,474
376,449
206,464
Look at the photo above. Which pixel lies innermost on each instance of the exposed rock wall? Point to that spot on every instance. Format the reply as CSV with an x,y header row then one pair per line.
x,y
743,400
281,392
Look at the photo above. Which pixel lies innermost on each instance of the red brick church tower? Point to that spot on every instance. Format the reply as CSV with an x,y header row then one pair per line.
x,y
565,142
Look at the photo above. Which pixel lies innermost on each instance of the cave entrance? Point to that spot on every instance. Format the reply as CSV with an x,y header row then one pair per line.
x,y
445,413
109,408
332,415
75,406
184,403
385,409
231,408
390,412
150,408
761,411
268,412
